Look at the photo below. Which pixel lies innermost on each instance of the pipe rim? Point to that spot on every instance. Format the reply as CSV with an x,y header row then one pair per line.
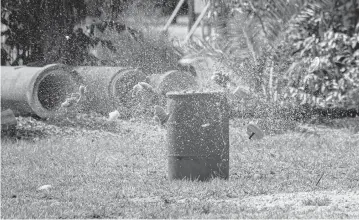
x,y
126,73
33,94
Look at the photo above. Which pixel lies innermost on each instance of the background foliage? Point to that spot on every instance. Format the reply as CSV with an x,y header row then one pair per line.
x,y
297,53
325,35
84,32
36,30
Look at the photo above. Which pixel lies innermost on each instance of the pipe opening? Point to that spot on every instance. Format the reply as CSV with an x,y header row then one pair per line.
x,y
53,90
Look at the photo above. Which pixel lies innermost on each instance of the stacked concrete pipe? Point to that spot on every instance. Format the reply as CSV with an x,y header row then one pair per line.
x,y
108,88
37,91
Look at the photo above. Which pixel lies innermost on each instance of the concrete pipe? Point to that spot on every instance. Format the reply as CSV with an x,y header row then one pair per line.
x,y
37,91
108,88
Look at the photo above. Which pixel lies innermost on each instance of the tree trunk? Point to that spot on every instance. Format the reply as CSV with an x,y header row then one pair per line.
x,y
191,14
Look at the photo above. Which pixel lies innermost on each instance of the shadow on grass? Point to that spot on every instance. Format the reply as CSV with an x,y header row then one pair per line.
x,y
30,129
21,133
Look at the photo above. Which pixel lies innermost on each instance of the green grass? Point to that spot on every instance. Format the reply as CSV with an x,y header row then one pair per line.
x,y
125,176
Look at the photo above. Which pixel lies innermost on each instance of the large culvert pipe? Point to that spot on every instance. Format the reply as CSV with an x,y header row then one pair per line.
x,y
108,88
36,91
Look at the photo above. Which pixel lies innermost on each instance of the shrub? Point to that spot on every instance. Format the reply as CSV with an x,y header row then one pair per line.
x,y
327,41
270,45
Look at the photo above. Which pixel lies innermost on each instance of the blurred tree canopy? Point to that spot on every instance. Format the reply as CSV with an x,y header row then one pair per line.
x,y
40,32
36,30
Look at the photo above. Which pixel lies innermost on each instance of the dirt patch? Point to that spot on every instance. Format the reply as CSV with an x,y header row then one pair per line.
x,y
325,204
320,204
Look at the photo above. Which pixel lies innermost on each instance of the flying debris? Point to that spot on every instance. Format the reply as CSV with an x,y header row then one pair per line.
x,y
68,102
113,115
241,92
254,132
44,187
74,98
142,87
82,90
160,115
205,125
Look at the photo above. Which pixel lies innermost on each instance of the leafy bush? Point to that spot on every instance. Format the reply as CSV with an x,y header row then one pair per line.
x,y
269,45
38,35
326,38
240,59
36,30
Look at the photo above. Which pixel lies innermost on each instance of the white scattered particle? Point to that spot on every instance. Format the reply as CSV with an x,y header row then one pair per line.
x,y
113,115
205,125
44,187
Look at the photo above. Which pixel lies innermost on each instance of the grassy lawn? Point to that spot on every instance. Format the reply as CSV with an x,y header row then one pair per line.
x,y
121,172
